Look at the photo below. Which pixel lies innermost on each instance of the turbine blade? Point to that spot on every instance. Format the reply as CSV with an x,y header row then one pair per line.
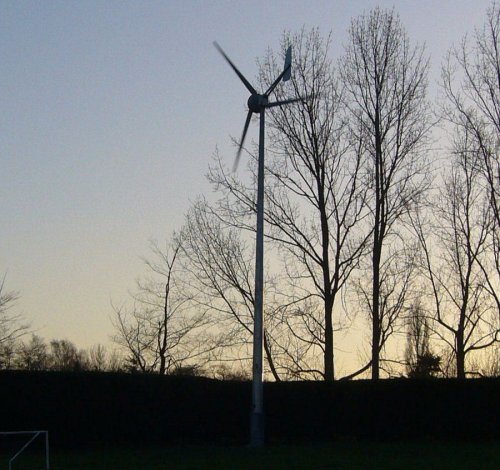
x,y
243,135
275,83
283,102
288,63
249,87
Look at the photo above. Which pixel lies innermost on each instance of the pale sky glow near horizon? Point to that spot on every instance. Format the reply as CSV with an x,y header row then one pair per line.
x,y
110,114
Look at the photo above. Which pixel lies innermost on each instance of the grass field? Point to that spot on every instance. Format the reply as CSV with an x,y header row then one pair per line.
x,y
404,455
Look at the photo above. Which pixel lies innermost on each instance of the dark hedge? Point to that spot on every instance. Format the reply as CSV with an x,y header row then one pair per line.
x,y
119,409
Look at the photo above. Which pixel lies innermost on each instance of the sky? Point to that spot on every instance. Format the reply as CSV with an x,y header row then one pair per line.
x,y
110,114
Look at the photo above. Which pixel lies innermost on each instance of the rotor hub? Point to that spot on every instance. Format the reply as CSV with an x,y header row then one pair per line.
x,y
256,103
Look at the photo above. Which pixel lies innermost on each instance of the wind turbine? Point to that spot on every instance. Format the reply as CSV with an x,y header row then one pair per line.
x,y
257,104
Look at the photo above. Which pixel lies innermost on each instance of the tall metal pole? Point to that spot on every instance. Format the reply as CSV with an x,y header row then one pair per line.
x,y
257,103
257,414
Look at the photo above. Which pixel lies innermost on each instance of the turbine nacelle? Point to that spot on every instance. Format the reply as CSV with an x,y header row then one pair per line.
x,y
256,103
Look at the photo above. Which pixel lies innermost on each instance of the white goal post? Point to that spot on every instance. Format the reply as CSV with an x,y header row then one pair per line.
x,y
34,435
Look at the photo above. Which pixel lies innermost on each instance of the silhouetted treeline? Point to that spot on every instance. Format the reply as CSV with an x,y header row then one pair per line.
x,y
33,353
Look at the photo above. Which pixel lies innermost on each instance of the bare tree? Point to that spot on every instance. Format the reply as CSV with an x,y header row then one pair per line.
x,y
421,362
33,355
470,81
470,78
157,331
218,266
97,358
386,81
464,310
226,372
64,356
490,366
314,201
115,362
396,293
12,326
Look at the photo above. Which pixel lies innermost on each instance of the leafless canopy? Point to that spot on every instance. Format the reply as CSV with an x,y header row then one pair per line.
x,y
386,82
315,203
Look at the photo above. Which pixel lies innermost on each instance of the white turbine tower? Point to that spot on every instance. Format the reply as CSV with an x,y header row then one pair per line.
x,y
258,103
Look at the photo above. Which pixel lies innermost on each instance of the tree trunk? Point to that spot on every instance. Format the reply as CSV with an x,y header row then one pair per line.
x,y
328,297
460,365
328,355
376,322
270,359
375,329
163,350
378,241
162,368
460,355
